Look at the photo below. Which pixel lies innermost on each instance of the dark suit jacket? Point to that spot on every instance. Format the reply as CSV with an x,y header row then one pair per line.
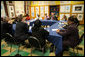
x,y
40,34
6,27
70,34
21,32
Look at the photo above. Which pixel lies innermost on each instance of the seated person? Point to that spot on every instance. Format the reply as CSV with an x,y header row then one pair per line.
x,y
46,17
5,26
28,17
75,21
39,32
70,34
64,17
20,16
52,17
38,17
56,17
21,32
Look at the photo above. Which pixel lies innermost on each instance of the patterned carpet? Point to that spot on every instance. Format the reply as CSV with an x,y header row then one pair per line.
x,y
5,49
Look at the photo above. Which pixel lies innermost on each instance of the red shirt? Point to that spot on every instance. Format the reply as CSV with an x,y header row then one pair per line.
x,y
27,18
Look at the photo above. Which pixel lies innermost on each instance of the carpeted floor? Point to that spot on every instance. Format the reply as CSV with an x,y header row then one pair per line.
x,y
5,49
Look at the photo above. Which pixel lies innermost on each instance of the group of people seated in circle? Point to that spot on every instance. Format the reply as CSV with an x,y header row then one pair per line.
x,y
21,31
52,17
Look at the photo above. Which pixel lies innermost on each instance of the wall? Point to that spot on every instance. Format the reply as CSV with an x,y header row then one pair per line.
x,y
19,7
2,10
28,3
36,3
11,9
48,3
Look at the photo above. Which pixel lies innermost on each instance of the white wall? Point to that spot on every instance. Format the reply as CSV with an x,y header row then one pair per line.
x,y
19,7
2,10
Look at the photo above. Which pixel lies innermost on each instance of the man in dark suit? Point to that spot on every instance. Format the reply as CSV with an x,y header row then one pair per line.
x,y
39,32
5,26
21,32
70,34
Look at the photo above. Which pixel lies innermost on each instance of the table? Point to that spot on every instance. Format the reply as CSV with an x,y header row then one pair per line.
x,y
48,22
44,22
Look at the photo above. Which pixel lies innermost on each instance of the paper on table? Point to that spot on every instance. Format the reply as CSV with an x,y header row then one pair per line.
x,y
54,29
30,28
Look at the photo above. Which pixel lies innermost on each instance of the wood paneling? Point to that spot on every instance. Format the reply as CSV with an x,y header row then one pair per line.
x,y
5,7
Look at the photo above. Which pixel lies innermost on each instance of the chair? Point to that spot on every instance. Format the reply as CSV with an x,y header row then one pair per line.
x,y
35,43
11,40
3,36
79,41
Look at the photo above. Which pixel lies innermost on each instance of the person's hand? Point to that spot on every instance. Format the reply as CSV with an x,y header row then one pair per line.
x,y
58,30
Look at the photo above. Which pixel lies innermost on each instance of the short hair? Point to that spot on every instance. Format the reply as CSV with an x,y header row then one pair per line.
x,y
76,20
37,23
71,19
27,15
